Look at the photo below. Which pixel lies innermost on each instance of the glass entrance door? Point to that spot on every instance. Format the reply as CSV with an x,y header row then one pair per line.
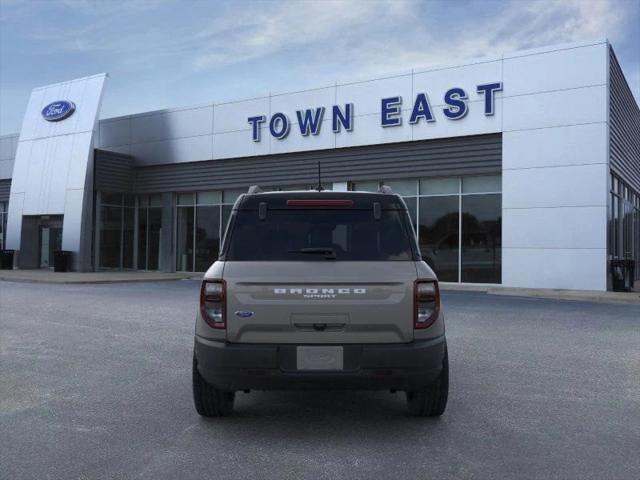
x,y
50,241
44,247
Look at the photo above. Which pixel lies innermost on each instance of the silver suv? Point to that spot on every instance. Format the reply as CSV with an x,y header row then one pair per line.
x,y
320,290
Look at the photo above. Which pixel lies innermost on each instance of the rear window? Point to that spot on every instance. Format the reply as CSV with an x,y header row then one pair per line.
x,y
317,234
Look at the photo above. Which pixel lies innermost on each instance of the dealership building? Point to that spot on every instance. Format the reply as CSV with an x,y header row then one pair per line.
x,y
521,170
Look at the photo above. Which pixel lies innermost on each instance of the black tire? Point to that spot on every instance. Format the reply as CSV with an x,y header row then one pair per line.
x,y
432,401
208,400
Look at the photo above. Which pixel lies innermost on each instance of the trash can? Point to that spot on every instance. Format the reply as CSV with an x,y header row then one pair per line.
x,y
631,268
623,274
62,261
6,259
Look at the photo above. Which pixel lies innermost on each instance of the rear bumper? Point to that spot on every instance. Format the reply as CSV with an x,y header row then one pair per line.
x,y
235,366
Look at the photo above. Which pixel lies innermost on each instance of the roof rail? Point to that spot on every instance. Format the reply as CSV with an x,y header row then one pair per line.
x,y
254,189
385,189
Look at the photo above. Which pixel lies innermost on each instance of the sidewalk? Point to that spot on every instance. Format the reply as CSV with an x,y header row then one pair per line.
x,y
577,295
49,276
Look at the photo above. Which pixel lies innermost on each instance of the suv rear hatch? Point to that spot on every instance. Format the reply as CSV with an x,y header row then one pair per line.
x,y
320,268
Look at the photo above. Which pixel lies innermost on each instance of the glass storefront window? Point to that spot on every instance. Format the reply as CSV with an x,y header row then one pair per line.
x,y
439,186
116,231
412,206
230,196
2,227
153,239
209,198
152,236
365,186
407,187
110,236
438,235
143,232
287,188
624,224
185,199
226,213
458,222
482,184
184,239
207,237
481,253
111,199
200,227
128,230
155,200
3,223
149,233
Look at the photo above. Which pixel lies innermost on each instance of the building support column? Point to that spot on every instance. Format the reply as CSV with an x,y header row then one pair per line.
x,y
167,253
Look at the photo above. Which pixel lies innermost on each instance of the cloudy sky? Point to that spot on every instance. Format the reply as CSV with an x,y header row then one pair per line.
x,y
168,53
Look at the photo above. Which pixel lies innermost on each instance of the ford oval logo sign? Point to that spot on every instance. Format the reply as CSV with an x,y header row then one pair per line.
x,y
56,111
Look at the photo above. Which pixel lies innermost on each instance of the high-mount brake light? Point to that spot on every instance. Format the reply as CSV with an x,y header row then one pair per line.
x,y
320,203
213,303
426,303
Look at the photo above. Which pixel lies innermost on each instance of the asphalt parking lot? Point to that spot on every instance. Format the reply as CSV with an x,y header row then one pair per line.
x,y
95,384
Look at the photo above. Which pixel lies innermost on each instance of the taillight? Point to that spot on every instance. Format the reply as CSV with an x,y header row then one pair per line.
x,y
212,303
426,303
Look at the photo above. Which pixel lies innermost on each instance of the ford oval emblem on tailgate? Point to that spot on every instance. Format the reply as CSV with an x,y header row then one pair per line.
x,y
244,314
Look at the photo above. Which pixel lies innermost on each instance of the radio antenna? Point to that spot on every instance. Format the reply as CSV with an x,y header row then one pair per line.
x,y
319,179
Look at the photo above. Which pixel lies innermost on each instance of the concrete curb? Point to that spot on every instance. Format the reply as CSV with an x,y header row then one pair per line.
x,y
95,282
94,278
51,278
629,298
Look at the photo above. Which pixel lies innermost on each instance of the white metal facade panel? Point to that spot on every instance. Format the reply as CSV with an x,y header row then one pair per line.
x,y
14,222
548,87
437,81
52,167
8,146
530,228
232,144
176,124
72,221
366,96
367,131
288,103
6,169
186,149
554,147
548,187
563,69
232,117
475,122
114,133
570,268
324,140
555,168
555,109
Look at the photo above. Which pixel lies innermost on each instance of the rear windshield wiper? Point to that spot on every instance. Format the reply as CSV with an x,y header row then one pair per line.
x,y
329,253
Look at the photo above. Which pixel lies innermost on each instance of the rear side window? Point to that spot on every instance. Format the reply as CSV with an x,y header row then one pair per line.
x,y
317,234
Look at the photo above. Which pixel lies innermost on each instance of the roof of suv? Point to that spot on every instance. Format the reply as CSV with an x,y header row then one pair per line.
x,y
280,200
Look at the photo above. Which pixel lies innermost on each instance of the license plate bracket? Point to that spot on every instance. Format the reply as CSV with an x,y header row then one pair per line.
x,y
319,358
